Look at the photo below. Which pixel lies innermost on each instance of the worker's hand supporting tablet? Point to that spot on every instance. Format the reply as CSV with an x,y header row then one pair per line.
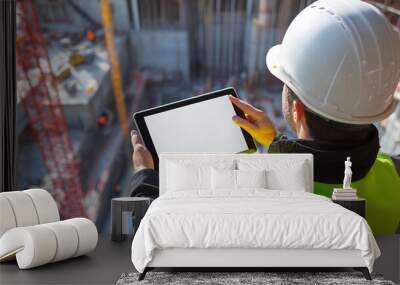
x,y
141,156
257,122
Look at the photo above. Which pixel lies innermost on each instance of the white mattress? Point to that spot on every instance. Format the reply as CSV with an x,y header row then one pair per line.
x,y
252,219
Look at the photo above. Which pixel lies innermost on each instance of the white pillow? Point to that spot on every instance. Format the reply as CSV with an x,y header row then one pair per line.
x,y
281,174
181,177
226,179
294,180
223,179
251,178
184,174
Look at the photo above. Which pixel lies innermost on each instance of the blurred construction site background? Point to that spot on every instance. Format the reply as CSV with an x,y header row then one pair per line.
x,y
84,67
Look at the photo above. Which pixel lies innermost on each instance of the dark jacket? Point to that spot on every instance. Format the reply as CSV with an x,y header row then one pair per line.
x,y
329,157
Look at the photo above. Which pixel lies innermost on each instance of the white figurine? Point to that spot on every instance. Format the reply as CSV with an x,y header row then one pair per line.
x,y
347,174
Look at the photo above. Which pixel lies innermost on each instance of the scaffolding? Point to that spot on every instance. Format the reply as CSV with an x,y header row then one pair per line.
x,y
39,96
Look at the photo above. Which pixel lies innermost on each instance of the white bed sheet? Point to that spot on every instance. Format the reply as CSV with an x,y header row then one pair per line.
x,y
252,218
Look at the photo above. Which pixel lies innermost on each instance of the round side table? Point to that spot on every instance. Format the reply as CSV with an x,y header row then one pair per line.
x,y
137,205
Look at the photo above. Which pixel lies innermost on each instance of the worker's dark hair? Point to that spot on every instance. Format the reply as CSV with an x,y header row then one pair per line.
x,y
327,130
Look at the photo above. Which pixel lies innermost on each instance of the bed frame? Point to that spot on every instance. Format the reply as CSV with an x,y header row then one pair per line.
x,y
245,259
240,259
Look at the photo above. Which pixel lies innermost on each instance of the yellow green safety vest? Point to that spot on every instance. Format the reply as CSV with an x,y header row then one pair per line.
x,y
381,189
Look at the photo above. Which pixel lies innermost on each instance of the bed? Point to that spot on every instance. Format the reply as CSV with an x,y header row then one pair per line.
x,y
246,211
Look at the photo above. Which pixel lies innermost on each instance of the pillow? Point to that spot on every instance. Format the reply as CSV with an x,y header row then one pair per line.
x,y
186,177
236,179
223,179
184,174
293,180
251,178
280,174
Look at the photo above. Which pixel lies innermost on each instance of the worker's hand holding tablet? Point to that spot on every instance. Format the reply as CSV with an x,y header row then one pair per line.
x,y
198,124
256,122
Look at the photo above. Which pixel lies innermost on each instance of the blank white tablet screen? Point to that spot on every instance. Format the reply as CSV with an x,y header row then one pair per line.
x,y
200,127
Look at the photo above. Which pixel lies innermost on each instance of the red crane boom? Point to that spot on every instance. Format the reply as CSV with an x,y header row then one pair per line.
x,y
39,96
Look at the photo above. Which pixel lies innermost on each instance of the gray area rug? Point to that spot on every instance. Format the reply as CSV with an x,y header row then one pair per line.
x,y
232,278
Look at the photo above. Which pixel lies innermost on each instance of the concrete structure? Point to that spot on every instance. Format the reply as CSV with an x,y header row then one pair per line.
x,y
214,39
93,81
164,51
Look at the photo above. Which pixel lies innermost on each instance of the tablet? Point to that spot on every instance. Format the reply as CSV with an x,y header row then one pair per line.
x,y
199,124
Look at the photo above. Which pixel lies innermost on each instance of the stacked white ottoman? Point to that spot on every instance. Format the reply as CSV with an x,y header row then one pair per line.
x,y
31,230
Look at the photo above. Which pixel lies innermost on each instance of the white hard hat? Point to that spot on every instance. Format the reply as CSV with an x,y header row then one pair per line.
x,y
342,59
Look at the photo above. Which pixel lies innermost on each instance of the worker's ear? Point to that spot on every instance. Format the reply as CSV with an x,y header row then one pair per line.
x,y
298,111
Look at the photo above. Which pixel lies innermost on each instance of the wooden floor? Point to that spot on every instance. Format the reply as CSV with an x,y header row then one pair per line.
x,y
106,264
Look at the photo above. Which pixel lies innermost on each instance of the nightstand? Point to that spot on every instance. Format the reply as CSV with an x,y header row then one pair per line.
x,y
355,205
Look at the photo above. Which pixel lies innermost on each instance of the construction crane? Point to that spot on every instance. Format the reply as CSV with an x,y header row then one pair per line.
x,y
38,91
115,66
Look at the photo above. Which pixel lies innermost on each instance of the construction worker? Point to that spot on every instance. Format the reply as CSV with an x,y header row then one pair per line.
x,y
340,65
